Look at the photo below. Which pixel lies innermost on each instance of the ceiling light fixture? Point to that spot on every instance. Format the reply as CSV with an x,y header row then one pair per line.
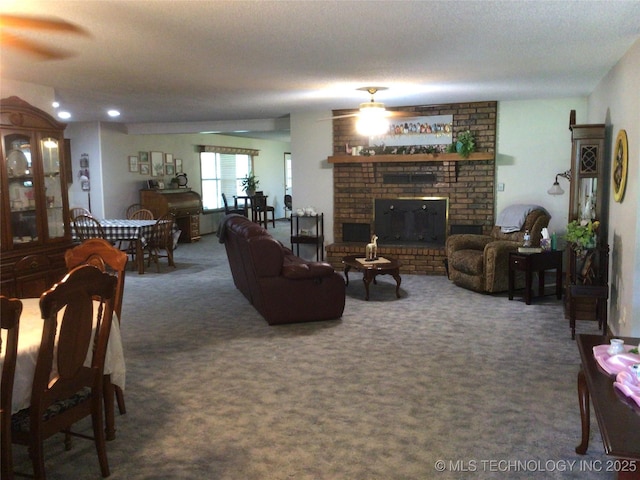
x,y
372,120
64,115
113,113
556,189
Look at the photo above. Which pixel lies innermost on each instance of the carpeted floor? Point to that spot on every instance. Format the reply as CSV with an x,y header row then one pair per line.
x,y
484,384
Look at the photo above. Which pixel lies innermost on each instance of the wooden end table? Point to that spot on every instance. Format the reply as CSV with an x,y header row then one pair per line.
x,y
386,266
618,417
535,262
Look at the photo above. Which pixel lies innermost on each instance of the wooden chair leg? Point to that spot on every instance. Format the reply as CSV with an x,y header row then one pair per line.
x,y
120,399
99,437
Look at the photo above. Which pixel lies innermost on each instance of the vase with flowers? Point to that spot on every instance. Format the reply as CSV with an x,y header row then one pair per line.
x,y
582,235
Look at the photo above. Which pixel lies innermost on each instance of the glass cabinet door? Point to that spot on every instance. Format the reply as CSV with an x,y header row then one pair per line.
x,y
50,148
21,188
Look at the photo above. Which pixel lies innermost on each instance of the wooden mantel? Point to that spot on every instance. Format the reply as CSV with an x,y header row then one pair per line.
x,y
427,157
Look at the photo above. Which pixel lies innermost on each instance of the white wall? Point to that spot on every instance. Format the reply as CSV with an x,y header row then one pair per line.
x,y
616,102
311,144
113,145
85,139
533,145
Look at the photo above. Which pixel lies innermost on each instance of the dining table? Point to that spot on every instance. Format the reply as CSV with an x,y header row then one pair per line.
x,y
29,338
246,203
121,229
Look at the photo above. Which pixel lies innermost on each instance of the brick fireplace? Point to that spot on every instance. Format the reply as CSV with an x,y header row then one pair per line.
x,y
467,186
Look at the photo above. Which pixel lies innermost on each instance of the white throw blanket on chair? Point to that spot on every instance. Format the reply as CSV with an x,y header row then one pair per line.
x,y
512,218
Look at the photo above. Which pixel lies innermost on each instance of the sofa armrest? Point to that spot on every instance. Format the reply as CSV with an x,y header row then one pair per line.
x,y
307,270
466,241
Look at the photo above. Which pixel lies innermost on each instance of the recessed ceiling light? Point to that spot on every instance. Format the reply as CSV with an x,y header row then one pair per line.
x,y
55,104
64,115
113,113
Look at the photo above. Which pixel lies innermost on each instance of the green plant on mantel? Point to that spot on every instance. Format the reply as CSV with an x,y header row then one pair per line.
x,y
465,144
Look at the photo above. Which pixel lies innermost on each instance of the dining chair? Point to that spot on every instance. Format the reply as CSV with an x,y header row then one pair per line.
x,y
288,205
262,210
10,310
161,239
76,391
141,214
86,227
76,211
134,207
100,253
228,209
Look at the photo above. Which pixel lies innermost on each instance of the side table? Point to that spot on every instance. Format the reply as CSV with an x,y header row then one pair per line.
x,y
618,417
535,262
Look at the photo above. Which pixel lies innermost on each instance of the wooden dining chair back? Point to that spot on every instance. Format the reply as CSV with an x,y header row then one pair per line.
x,y
76,211
86,227
134,207
262,210
107,258
161,240
10,310
68,379
142,214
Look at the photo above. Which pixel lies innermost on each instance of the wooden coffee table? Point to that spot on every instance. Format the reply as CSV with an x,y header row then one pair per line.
x,y
382,266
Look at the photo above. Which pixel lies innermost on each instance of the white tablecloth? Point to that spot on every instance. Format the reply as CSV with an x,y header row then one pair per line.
x,y
29,338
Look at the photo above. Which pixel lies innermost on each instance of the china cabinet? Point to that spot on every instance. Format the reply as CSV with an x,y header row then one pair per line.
x,y
586,289
33,187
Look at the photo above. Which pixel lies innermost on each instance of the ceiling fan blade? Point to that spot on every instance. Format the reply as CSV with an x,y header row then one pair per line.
x,y
39,23
341,116
35,48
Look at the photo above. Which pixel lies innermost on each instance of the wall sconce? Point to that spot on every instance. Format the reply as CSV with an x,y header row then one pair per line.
x,y
556,189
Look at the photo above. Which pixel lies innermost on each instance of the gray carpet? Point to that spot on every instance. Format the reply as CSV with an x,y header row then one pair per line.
x,y
485,384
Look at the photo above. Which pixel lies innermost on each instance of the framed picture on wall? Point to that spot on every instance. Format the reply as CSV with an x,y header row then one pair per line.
x,y
168,158
133,163
144,168
143,157
169,169
178,165
157,164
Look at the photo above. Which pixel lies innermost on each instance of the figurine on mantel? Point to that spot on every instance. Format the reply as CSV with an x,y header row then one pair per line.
x,y
371,252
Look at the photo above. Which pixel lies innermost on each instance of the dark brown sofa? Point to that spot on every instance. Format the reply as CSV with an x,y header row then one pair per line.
x,y
282,287
481,262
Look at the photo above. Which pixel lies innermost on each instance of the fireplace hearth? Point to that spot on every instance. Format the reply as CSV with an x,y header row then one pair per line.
x,y
413,221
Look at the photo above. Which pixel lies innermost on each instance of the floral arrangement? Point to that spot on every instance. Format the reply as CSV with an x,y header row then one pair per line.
x,y
582,233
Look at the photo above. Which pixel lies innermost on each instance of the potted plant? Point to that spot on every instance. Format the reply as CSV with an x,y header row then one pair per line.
x,y
250,183
582,234
465,144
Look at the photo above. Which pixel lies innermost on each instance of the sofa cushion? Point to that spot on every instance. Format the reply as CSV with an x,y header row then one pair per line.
x,y
295,270
468,261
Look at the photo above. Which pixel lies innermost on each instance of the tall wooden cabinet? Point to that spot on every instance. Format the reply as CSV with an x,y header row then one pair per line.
x,y
586,288
589,176
34,224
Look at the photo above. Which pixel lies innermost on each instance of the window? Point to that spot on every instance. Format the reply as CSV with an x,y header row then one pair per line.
x,y
222,171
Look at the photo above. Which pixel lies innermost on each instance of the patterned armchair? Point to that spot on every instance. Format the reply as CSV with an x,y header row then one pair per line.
x,y
481,262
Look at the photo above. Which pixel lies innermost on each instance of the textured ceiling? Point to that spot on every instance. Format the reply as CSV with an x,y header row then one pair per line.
x,y
216,62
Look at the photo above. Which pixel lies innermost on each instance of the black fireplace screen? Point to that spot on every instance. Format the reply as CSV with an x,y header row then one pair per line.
x,y
416,221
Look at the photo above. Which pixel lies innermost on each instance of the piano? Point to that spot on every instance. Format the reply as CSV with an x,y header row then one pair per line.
x,y
182,202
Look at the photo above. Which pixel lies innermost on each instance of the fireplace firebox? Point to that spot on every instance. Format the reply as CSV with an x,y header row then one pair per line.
x,y
411,221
